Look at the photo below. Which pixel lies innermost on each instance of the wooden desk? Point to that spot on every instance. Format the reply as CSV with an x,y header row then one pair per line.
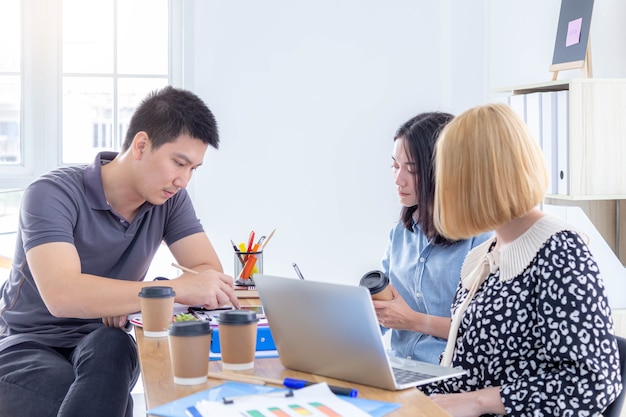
x,y
158,382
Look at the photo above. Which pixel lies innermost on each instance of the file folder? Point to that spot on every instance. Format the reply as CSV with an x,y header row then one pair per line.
x,y
562,145
549,136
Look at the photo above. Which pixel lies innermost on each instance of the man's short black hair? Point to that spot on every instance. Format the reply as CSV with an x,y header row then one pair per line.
x,y
170,112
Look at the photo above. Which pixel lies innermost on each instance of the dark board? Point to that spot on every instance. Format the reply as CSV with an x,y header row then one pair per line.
x,y
575,17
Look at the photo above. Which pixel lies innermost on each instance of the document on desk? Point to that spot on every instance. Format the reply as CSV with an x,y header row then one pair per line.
x,y
182,407
314,401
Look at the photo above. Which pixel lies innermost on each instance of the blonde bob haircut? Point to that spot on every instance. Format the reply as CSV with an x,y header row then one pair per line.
x,y
489,170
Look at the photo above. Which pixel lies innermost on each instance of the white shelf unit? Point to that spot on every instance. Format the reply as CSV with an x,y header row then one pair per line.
x,y
595,144
594,170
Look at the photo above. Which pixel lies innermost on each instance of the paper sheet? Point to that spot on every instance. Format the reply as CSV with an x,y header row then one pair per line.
x,y
314,401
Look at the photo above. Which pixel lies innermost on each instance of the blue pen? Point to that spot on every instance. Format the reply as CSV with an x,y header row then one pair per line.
x,y
291,383
299,383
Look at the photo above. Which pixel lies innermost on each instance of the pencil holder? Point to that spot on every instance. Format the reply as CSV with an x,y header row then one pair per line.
x,y
247,264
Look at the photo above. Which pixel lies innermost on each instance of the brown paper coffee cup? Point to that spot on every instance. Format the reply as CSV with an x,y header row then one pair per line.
x,y
190,344
238,331
157,308
378,285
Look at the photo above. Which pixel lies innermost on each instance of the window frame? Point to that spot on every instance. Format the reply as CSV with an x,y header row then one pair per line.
x,y
42,77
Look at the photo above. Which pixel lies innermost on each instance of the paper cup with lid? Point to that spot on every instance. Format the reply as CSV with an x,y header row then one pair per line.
x,y
237,334
157,309
378,285
190,343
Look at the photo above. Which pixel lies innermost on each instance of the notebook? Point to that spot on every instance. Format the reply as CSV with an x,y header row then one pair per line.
x,y
331,330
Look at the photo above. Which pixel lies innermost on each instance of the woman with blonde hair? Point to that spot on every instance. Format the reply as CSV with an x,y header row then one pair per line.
x,y
530,320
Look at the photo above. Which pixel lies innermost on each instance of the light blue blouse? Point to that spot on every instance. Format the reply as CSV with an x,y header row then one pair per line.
x,y
426,276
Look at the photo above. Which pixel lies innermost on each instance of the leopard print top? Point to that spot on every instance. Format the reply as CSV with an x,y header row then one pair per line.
x,y
544,337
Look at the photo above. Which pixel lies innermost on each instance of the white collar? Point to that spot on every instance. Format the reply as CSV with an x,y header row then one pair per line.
x,y
511,259
514,257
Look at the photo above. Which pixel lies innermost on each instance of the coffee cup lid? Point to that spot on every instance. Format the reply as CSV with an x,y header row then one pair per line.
x,y
190,328
157,292
375,281
237,317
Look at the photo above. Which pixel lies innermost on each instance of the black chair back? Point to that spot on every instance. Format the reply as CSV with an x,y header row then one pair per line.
x,y
615,408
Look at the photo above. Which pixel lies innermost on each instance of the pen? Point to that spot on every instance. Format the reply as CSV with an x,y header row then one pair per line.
x,y
295,266
293,383
199,314
250,242
237,252
300,383
266,241
184,269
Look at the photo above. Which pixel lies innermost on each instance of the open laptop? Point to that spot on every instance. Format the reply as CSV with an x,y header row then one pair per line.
x,y
331,330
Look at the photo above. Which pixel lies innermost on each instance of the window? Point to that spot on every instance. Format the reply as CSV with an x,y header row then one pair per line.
x,y
114,52
10,81
72,73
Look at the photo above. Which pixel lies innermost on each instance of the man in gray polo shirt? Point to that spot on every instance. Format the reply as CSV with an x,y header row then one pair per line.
x,y
86,237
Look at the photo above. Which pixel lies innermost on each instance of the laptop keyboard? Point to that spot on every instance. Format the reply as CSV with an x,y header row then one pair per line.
x,y
404,376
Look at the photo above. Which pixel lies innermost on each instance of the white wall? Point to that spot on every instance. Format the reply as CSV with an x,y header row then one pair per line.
x,y
521,37
308,96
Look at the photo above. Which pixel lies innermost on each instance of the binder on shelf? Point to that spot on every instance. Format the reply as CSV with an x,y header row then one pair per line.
x,y
549,136
562,144
518,103
533,116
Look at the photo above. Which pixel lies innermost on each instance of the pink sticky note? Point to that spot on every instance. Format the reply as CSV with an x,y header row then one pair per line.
x,y
573,32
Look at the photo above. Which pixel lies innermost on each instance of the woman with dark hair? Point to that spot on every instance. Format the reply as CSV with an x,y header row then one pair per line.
x,y
423,266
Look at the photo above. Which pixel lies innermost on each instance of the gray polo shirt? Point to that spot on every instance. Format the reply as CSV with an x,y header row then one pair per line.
x,y
68,205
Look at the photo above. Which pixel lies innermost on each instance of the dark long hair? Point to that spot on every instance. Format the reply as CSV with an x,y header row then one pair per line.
x,y
420,134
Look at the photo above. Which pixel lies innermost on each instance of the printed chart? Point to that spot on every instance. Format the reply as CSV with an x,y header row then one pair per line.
x,y
314,401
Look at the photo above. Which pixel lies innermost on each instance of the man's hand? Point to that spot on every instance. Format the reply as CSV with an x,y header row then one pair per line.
x,y
210,289
118,321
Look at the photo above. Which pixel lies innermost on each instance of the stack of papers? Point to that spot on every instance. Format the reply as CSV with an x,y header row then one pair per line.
x,y
315,398
210,315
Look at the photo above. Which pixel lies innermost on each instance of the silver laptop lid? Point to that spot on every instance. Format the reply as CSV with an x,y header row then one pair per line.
x,y
331,330
325,329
